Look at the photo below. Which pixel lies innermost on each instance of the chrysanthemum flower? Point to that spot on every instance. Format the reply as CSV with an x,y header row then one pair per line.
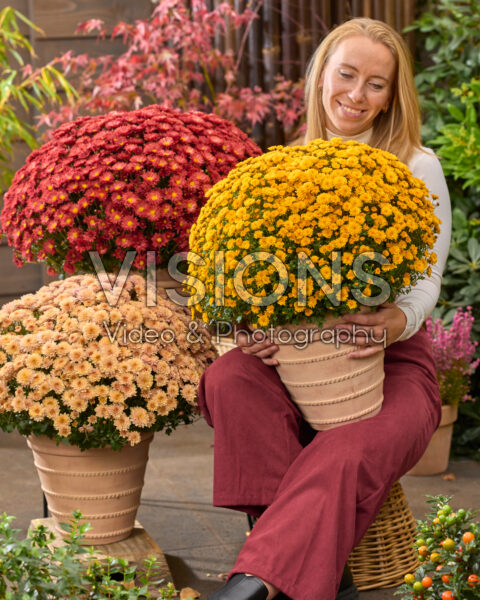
x,y
151,178
302,206
83,385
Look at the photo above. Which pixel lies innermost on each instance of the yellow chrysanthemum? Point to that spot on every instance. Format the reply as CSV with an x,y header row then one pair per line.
x,y
321,198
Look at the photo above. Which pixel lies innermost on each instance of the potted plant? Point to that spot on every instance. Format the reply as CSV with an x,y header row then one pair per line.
x,y
38,567
118,182
448,546
296,238
453,352
89,383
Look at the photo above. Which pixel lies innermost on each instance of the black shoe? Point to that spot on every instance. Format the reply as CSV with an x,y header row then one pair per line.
x,y
347,590
241,587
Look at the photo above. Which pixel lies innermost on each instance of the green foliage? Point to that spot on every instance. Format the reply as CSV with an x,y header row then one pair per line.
x,y
459,142
34,568
461,280
22,86
448,546
450,34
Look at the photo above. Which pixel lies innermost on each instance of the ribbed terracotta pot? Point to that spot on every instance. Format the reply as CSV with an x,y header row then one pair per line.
x,y
104,484
329,388
436,456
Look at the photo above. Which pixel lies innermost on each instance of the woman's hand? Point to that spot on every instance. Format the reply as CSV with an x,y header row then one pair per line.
x,y
262,349
374,331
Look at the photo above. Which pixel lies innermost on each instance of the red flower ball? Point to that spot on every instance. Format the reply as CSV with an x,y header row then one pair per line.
x,y
118,182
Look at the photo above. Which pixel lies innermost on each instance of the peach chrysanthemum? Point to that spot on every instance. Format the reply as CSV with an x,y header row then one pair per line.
x,y
159,396
116,396
79,404
153,405
133,438
18,404
94,376
61,421
101,390
76,354
139,416
63,430
189,392
12,347
114,315
91,331
144,380
110,350
52,412
36,411
128,390
57,385
79,384
49,348
107,364
63,348
101,410
122,423
161,380
125,378
28,342
172,389
25,376
84,368
115,410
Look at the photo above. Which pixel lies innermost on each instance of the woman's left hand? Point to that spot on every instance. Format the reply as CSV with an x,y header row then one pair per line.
x,y
374,331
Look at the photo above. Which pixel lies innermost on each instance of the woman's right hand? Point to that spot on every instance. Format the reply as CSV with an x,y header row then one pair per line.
x,y
263,350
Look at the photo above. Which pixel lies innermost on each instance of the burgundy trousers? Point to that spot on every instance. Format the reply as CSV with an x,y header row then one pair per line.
x,y
316,500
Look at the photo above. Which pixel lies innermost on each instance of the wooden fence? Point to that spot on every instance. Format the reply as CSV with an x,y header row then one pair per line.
x,y
280,41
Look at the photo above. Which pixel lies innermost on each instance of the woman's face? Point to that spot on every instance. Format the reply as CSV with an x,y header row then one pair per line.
x,y
356,84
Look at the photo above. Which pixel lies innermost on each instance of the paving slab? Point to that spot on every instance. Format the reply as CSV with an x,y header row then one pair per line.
x,y
200,542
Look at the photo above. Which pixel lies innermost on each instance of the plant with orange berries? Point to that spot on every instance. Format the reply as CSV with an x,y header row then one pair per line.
x,y
448,550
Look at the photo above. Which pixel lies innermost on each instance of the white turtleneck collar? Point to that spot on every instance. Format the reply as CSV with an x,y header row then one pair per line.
x,y
363,137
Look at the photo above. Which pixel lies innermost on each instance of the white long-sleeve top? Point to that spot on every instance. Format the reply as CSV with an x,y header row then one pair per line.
x,y
421,300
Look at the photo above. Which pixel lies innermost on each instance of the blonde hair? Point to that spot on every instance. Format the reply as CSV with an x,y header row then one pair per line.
x,y
398,129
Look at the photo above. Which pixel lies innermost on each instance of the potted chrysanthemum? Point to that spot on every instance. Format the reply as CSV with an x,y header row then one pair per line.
x,y
119,182
89,384
300,236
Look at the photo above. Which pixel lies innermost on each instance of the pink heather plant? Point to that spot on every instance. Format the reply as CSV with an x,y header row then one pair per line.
x,y
453,352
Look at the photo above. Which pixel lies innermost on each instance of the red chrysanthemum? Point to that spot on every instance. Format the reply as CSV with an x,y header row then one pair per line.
x,y
118,182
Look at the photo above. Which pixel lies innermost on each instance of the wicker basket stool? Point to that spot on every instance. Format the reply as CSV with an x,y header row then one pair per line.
x,y
386,552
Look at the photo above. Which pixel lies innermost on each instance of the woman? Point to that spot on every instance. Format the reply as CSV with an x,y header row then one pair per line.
x,y
317,500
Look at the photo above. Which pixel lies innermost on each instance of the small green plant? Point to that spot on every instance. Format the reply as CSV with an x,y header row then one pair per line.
x,y
23,86
448,547
34,568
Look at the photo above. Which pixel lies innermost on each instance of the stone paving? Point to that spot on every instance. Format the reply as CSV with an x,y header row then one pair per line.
x,y
200,542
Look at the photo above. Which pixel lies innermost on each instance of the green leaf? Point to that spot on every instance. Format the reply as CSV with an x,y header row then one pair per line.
x,y
459,220
455,112
474,250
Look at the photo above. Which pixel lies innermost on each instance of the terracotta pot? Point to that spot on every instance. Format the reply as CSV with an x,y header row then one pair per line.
x,y
435,458
104,484
329,388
